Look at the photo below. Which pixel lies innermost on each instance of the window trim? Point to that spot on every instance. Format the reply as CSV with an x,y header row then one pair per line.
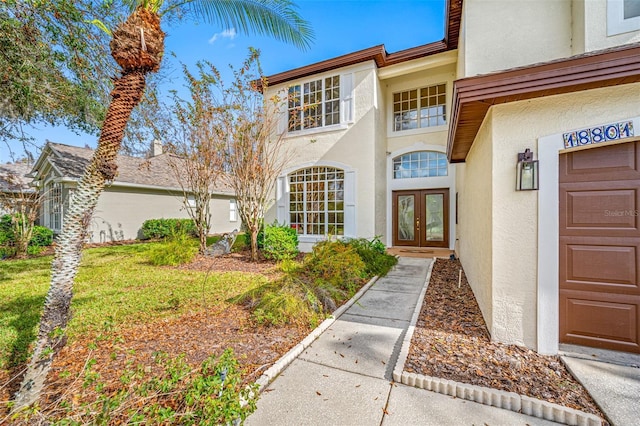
x,y
233,211
616,24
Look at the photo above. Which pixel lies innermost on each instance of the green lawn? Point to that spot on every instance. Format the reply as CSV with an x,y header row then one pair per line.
x,y
115,285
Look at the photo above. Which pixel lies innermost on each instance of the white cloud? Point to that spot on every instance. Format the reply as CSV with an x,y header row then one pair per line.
x,y
229,33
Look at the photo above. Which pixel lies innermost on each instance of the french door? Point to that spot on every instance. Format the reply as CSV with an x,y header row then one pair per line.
x,y
421,218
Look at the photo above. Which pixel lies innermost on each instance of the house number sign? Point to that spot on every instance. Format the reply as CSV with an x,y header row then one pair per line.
x,y
600,134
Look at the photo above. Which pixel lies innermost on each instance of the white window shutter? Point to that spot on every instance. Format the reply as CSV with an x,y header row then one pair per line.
x,y
283,112
350,204
346,98
282,198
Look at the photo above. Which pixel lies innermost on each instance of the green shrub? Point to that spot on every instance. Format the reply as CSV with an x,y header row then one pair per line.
x,y
6,231
171,393
7,252
336,263
177,250
327,277
165,228
287,300
373,254
41,236
280,242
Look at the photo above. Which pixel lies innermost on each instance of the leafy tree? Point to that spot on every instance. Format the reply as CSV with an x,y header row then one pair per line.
x,y
48,73
255,150
137,45
194,137
23,203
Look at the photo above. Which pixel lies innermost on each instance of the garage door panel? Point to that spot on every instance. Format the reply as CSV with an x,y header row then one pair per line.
x,y
615,162
599,321
599,272
605,209
613,268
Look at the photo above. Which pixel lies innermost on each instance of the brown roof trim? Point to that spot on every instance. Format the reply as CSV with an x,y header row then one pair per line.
x,y
473,96
379,55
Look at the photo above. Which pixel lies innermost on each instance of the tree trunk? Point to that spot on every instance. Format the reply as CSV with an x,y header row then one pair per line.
x,y
254,245
127,92
203,240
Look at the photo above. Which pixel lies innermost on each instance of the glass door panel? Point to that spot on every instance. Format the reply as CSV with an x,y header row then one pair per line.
x,y
406,217
434,206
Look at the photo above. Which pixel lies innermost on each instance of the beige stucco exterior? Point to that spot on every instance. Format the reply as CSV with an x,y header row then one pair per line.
x,y
475,231
366,145
498,228
497,234
121,211
590,31
498,35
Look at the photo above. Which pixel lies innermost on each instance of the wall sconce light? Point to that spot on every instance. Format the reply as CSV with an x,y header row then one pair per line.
x,y
526,171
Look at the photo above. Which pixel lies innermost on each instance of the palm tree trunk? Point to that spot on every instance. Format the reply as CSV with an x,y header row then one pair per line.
x,y
127,93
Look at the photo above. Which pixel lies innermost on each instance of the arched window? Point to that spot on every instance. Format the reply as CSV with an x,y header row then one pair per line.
x,y
420,164
316,201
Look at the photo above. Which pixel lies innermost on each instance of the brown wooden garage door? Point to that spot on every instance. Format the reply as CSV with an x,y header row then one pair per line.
x,y
600,247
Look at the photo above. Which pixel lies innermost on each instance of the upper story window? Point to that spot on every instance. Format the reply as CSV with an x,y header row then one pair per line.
x,y
419,108
622,16
314,104
420,164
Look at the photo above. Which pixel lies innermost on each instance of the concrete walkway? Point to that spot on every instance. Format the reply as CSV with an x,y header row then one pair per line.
x,y
344,377
611,378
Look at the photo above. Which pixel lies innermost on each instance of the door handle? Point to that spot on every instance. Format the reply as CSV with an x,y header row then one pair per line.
x,y
418,223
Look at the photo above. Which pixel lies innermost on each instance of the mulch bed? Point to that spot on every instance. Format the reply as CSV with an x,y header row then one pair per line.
x,y
451,342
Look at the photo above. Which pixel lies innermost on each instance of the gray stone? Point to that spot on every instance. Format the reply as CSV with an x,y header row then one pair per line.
x,y
223,246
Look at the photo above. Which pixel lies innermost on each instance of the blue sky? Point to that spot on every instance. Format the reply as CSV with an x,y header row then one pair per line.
x,y
340,27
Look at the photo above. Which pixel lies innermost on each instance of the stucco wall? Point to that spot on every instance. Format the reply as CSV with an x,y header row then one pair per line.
x,y
536,30
380,161
356,145
121,211
431,139
475,209
594,30
514,225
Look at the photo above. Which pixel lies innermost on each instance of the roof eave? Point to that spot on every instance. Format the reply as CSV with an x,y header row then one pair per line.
x,y
379,55
474,96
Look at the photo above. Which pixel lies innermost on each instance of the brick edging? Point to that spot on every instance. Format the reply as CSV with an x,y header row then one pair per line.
x,y
496,398
272,372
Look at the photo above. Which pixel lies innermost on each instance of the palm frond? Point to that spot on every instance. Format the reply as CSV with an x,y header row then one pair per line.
x,y
277,18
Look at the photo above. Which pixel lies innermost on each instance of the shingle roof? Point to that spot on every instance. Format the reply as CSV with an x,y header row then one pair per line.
x,y
155,171
13,177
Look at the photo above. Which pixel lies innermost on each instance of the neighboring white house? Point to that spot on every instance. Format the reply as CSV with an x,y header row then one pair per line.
x,y
420,147
143,189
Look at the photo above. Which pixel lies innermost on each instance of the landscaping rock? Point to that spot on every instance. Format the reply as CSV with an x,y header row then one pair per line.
x,y
223,246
